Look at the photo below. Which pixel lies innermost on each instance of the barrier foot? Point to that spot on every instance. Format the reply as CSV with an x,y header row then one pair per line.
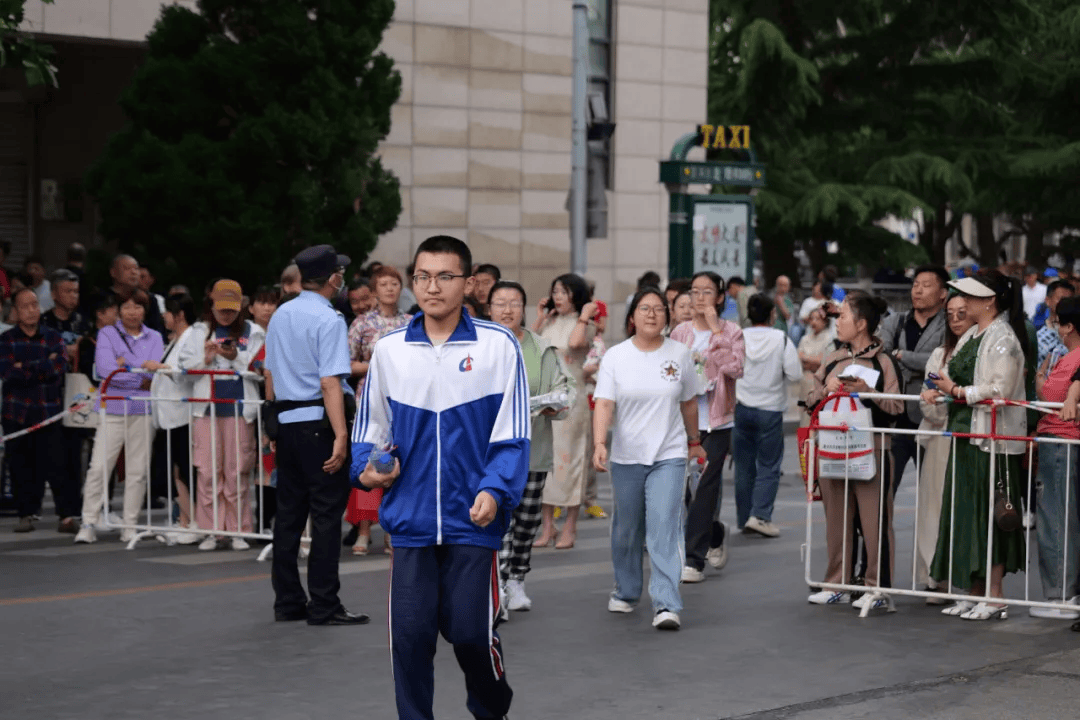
x,y
265,553
139,536
872,599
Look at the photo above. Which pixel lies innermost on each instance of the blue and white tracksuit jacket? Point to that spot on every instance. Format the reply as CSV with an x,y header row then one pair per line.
x,y
458,414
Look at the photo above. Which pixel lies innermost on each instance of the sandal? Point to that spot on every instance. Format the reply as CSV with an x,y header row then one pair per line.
x,y
361,545
985,611
960,608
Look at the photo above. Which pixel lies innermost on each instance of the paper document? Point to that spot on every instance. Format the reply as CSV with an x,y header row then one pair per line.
x,y
855,372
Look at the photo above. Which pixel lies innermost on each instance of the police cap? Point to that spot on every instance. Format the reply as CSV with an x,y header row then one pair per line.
x,y
320,261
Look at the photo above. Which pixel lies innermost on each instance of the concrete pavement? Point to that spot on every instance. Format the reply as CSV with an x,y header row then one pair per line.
x,y
100,632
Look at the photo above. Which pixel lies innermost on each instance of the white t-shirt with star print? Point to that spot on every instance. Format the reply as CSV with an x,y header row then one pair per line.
x,y
647,389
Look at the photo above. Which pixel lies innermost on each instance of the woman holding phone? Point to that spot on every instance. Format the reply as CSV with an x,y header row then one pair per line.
x,y
223,444
860,314
566,320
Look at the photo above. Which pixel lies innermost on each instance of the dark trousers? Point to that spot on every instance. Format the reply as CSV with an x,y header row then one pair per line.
x,y
303,488
38,458
452,590
705,499
171,445
905,448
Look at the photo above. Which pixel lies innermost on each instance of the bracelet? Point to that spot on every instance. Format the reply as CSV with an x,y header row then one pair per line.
x,y
693,443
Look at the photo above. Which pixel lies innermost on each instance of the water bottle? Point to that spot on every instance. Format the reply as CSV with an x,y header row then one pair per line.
x,y
694,470
555,399
381,459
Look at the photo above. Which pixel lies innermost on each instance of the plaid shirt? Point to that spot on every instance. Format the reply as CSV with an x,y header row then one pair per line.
x,y
34,390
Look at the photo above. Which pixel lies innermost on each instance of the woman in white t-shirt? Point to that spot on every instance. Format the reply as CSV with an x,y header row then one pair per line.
x,y
651,380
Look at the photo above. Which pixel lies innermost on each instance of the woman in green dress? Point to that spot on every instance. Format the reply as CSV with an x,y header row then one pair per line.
x,y
988,363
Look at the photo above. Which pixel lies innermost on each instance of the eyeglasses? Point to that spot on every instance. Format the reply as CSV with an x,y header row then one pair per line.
x,y
651,309
516,305
962,315
422,281
702,293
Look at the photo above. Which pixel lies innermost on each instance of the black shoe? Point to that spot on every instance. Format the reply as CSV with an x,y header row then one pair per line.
x,y
291,616
350,537
342,617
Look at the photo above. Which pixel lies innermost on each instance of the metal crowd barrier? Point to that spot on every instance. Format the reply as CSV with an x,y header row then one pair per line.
x,y
163,532
1070,510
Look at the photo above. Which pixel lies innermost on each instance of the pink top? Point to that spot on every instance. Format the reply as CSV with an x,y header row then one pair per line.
x,y
723,366
1054,390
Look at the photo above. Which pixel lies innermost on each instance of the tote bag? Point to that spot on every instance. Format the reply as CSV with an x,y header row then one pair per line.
x,y
846,453
78,390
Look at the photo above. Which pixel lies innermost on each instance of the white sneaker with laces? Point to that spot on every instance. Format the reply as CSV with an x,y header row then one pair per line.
x,y
718,557
1054,613
829,597
879,602
516,599
666,620
86,534
209,543
127,535
692,575
180,537
616,605
239,543
115,519
761,527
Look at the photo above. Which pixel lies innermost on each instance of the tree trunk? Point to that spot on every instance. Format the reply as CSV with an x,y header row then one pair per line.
x,y
988,244
1036,249
778,258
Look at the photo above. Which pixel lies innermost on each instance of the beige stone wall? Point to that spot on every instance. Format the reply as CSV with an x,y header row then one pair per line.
x,y
481,135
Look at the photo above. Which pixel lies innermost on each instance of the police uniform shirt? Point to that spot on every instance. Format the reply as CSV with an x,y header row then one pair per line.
x,y
307,340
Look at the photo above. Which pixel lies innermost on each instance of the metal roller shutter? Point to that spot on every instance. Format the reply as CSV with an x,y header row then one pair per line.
x,y
15,149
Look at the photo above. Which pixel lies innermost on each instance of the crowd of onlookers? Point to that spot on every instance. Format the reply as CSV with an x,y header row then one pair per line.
x,y
969,335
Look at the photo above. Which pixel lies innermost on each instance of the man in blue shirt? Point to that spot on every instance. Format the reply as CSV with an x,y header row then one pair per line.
x,y
307,363
450,394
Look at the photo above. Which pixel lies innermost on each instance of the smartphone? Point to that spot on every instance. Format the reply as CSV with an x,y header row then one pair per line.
x,y
931,384
933,376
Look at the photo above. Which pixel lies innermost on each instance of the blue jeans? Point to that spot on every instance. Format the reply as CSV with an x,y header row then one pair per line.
x,y
648,507
1057,499
758,447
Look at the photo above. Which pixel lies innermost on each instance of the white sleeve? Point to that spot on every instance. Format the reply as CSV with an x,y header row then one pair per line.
x,y
688,380
605,379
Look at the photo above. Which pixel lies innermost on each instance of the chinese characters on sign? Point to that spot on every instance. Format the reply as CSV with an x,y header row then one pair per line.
x,y
720,237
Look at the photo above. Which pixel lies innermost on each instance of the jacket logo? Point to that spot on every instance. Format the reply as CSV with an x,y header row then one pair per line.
x,y
670,371
466,364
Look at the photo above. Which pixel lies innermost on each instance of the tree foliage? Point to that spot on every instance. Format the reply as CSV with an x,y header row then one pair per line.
x,y
20,50
253,132
864,108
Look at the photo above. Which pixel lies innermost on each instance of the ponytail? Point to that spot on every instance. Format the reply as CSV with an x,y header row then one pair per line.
x,y
1010,299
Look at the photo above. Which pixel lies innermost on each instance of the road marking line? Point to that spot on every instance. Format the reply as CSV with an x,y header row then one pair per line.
x,y
7,602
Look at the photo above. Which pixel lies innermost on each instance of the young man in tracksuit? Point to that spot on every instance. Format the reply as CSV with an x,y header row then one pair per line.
x,y
450,393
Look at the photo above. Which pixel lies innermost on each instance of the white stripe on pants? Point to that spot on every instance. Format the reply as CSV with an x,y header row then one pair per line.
x,y
131,434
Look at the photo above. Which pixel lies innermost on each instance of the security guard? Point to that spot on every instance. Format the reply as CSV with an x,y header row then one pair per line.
x,y
307,363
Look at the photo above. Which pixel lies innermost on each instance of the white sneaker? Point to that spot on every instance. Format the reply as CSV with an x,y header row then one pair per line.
x,y
516,599
115,519
210,543
1054,613
761,527
86,535
616,605
666,620
879,602
127,535
829,597
692,575
718,557
240,544
180,537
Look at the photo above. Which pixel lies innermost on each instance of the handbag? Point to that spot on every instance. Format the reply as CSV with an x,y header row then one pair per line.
x,y
846,453
1006,515
802,436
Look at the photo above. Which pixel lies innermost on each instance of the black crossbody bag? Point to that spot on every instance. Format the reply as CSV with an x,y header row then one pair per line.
x,y
272,409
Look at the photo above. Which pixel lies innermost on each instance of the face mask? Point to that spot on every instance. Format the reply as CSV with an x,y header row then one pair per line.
x,y
340,292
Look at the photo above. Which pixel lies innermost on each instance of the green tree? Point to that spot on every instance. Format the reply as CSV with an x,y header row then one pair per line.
x,y
18,49
872,107
253,132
